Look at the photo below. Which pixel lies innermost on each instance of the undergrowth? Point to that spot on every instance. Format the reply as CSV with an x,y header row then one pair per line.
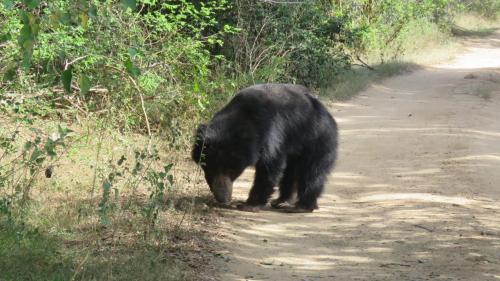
x,y
112,207
99,99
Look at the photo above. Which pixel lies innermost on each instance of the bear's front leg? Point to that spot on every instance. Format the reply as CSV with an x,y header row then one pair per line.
x,y
263,186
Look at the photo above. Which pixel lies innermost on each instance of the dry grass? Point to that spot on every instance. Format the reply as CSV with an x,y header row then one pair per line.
x,y
472,25
65,233
483,84
350,83
423,44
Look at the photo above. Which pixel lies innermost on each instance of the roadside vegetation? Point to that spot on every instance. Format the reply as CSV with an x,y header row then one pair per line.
x,y
99,100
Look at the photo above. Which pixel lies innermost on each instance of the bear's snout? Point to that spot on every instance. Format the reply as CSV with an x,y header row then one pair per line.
x,y
222,188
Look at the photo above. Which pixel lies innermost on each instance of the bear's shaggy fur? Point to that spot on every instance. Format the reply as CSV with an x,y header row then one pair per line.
x,y
282,130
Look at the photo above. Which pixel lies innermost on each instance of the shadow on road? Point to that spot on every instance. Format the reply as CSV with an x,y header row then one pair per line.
x,y
415,195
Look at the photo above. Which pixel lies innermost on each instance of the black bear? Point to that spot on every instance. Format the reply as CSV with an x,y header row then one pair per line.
x,y
282,130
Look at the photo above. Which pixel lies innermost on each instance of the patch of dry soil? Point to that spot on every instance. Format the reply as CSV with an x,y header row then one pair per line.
x,y
415,194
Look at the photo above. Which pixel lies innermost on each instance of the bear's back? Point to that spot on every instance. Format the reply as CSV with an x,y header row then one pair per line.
x,y
274,95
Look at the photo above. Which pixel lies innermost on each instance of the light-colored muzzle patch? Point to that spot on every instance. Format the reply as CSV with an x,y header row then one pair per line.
x,y
222,188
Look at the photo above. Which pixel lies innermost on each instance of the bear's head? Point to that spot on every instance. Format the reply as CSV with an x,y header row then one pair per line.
x,y
222,159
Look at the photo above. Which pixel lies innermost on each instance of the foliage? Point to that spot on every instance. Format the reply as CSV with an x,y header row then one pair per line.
x,y
299,43
20,167
97,56
160,66
152,64
57,226
122,176
486,8
31,256
380,26
156,67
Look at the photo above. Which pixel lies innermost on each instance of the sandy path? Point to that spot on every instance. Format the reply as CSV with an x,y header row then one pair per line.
x,y
415,194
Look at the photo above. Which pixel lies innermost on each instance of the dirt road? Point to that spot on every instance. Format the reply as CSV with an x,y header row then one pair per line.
x,y
415,194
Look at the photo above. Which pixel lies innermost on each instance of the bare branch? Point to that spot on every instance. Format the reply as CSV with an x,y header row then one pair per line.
x,y
139,91
73,61
364,63
283,2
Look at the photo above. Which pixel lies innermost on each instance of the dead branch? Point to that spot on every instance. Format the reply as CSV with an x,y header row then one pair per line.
x,y
364,63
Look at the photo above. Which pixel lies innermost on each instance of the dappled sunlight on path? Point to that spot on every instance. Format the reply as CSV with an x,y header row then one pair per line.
x,y
415,194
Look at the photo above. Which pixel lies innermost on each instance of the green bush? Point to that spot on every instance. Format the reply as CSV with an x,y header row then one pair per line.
x,y
299,43
380,26
486,8
101,57
149,65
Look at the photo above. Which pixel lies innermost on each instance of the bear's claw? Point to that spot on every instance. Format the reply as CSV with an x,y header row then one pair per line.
x,y
278,204
249,208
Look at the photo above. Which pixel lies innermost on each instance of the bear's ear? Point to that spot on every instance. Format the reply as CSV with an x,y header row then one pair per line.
x,y
201,130
199,143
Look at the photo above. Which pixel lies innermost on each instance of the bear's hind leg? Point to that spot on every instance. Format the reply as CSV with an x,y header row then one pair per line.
x,y
312,176
308,195
288,187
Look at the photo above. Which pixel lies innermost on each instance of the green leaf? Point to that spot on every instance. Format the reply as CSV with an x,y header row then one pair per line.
x,y
84,85
92,12
8,4
201,105
196,87
50,148
27,146
32,4
66,78
63,132
84,19
65,19
5,37
26,38
34,23
106,187
167,168
170,179
27,55
129,4
36,155
133,52
25,34
10,74
131,68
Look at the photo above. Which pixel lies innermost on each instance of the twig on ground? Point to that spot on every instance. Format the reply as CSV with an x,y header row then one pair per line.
x,y
423,227
396,264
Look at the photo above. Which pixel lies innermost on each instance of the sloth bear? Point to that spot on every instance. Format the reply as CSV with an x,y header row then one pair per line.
x,y
282,130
